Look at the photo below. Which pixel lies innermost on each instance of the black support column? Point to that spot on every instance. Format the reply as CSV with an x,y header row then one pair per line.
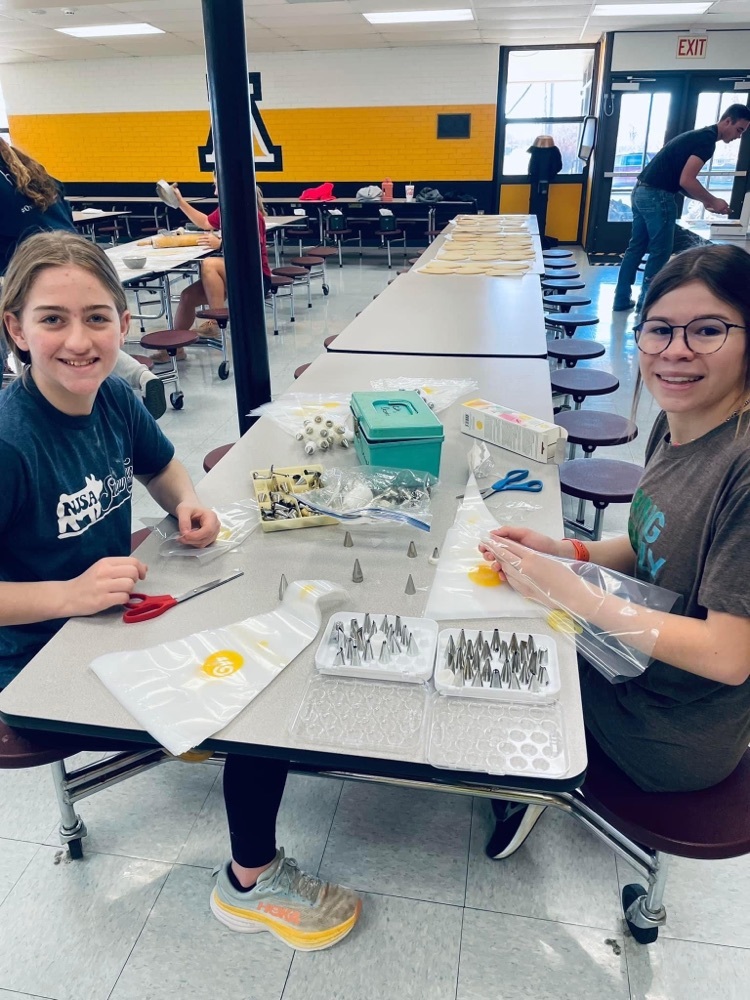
x,y
226,58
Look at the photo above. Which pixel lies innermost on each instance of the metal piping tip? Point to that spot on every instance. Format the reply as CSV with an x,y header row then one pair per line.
x,y
462,639
468,672
531,645
450,661
479,641
356,661
486,672
282,587
383,627
366,623
412,551
495,646
515,663
476,680
470,649
451,645
543,677
435,557
486,654
385,656
357,576
513,645
543,657
410,589
534,687
339,660
514,683
348,543
369,656
495,679
533,663
458,679
397,626
505,674
412,648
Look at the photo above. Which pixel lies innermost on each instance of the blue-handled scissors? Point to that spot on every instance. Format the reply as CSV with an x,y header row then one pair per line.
x,y
515,480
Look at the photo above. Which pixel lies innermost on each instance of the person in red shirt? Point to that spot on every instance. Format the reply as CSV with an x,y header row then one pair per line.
x,y
211,288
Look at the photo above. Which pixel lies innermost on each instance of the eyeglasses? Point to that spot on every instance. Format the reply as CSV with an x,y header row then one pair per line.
x,y
702,336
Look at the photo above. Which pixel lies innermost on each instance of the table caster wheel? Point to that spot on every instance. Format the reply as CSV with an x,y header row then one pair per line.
x,y
75,849
177,400
326,289
643,935
224,370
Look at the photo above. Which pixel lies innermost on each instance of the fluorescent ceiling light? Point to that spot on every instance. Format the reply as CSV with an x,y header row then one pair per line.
x,y
650,9
418,16
110,30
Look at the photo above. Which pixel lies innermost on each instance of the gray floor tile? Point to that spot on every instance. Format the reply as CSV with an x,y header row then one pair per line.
x,y
148,816
683,970
401,949
12,995
29,806
705,900
67,929
303,826
184,952
508,958
14,857
400,841
560,873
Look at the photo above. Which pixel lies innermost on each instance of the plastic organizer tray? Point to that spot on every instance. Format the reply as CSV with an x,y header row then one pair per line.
x,y
443,677
343,713
497,738
403,666
286,482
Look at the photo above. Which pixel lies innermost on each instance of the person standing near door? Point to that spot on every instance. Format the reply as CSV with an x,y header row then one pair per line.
x,y
674,168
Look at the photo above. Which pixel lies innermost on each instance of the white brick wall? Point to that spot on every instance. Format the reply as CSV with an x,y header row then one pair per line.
x,y
457,74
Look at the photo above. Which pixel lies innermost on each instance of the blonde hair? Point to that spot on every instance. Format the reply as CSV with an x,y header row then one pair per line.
x,y
54,249
29,177
259,201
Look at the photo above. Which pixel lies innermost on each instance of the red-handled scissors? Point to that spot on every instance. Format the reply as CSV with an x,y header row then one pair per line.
x,y
142,607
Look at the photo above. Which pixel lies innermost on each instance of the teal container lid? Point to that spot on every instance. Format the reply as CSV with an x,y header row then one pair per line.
x,y
396,415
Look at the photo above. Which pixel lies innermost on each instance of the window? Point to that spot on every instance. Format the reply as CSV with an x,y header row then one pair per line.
x,y
547,92
453,126
718,173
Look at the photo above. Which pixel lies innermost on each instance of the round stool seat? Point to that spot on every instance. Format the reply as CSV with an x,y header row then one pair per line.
x,y
554,276
215,456
602,480
570,320
329,340
17,751
709,824
556,254
582,382
567,302
301,369
143,360
220,316
390,234
307,261
168,340
290,272
279,281
596,429
555,264
327,251
412,260
573,351
560,284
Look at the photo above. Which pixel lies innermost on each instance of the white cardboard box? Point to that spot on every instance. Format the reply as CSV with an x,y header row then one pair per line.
x,y
515,431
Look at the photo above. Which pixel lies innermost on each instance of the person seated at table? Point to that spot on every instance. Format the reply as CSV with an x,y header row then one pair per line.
x,y
684,724
32,201
211,288
68,432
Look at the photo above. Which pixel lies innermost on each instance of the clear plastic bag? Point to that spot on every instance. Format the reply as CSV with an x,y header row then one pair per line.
x,y
438,393
480,460
238,520
370,494
318,421
625,648
184,691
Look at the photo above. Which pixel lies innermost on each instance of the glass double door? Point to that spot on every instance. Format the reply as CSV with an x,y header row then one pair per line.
x,y
635,125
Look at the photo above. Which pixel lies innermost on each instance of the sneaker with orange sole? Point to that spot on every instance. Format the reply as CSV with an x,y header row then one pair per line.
x,y
162,357
299,909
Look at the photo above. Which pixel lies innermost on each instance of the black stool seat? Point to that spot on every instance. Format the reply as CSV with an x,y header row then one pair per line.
x,y
582,382
573,351
214,456
220,316
168,340
596,429
555,276
567,302
559,263
570,320
603,480
390,234
561,284
556,254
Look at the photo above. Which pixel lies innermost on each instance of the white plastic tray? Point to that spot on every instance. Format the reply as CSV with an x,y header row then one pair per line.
x,y
412,669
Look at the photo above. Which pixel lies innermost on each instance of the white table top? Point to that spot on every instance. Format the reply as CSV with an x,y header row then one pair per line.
x,y
280,221
157,261
88,217
58,690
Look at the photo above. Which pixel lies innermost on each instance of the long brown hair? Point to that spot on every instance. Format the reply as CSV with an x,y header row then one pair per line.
x,y
29,177
54,249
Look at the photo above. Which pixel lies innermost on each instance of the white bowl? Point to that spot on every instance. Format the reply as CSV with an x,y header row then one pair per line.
x,y
136,263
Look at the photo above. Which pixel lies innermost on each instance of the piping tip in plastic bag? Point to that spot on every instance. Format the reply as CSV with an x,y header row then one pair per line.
x,y
282,587
410,589
357,576
435,557
412,550
348,540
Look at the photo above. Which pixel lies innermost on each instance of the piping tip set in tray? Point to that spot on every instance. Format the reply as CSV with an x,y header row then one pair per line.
x,y
494,666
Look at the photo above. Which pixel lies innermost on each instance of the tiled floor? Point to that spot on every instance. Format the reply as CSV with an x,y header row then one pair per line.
x,y
440,921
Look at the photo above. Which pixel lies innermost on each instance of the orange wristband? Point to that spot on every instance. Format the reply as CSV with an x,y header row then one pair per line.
x,y
582,553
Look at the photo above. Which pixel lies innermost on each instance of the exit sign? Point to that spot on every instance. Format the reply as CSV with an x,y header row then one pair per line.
x,y
691,47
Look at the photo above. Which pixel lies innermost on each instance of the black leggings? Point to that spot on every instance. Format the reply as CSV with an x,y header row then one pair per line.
x,y
253,787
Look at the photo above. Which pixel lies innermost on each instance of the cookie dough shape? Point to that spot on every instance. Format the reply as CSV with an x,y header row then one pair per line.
x,y
471,268
435,267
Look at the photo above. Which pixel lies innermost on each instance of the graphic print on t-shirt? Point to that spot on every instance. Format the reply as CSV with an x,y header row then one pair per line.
x,y
644,527
97,498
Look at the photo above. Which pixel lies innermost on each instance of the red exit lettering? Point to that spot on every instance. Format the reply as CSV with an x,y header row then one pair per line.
x,y
691,47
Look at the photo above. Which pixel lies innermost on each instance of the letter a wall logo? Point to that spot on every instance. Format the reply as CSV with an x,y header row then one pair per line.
x,y
267,155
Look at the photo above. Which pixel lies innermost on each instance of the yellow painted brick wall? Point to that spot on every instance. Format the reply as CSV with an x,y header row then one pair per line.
x,y
562,211
335,144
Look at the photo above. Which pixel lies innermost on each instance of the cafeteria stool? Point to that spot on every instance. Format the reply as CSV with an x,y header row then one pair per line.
x,y
708,825
214,456
570,352
569,321
555,276
317,269
301,370
329,340
562,284
413,260
564,303
339,236
388,236
602,481
582,382
279,281
557,254
301,276
592,429
221,318
170,341
296,234
555,264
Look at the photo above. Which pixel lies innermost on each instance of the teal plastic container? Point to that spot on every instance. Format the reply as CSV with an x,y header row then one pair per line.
x,y
397,429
